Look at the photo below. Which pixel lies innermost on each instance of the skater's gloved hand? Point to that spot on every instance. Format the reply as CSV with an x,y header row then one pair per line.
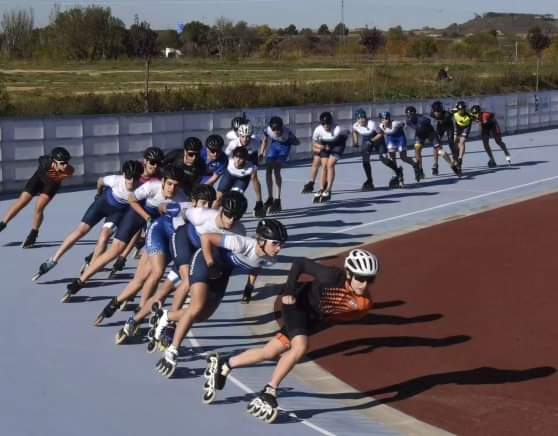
x,y
288,299
213,272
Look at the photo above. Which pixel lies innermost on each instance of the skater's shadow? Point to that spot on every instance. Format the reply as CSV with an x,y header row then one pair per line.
x,y
48,244
416,386
88,299
368,345
380,319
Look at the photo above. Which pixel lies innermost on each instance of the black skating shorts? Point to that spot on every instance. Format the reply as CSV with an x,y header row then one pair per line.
x,y
39,184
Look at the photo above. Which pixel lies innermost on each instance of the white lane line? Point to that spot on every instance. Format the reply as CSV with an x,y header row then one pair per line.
x,y
429,209
246,389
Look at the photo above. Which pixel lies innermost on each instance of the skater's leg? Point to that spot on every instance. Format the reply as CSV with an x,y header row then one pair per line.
x,y
278,178
158,264
418,154
38,216
299,346
102,241
22,201
183,289
331,161
130,245
253,356
160,296
257,186
365,154
135,285
407,159
79,232
104,259
269,179
497,134
324,175
316,163
199,295
486,145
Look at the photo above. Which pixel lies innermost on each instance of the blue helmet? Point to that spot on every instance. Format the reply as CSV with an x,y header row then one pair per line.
x,y
360,114
385,115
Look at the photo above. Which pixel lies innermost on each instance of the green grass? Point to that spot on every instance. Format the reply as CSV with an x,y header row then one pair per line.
x,y
42,88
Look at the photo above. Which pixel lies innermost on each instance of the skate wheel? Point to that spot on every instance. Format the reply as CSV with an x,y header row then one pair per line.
x,y
269,418
151,334
209,396
153,319
98,320
151,346
123,305
155,307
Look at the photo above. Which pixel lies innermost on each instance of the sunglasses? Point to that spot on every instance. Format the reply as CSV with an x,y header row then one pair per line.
x,y
191,153
363,279
153,162
213,150
61,162
276,243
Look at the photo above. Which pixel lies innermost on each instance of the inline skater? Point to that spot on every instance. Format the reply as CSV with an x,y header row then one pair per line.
x,y
144,210
335,295
489,126
237,175
210,274
276,147
109,203
45,182
236,122
214,158
444,126
368,136
463,122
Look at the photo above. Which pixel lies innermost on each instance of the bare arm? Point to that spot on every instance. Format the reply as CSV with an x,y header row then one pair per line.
x,y
134,204
208,241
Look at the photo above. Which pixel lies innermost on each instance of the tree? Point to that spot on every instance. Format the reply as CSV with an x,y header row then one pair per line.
x,y
196,37
422,47
539,42
373,39
17,26
323,30
143,43
290,30
395,34
340,30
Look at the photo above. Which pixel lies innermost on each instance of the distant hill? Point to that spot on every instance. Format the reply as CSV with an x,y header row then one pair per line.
x,y
504,23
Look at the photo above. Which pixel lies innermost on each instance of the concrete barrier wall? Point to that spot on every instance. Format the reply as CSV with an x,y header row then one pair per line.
x,y
99,144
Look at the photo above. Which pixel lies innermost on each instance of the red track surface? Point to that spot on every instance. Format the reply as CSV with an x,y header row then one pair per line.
x,y
464,333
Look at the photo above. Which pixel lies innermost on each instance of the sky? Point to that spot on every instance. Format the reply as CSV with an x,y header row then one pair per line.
x,y
410,14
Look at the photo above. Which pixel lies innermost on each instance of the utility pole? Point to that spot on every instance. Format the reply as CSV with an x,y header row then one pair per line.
x,y
342,22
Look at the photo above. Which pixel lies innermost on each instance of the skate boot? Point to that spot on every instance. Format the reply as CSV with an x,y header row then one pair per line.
x,y
167,364
247,294
491,164
86,262
308,188
259,210
400,177
130,329
508,160
107,311
326,196
367,186
2,225
416,168
268,205
264,406
276,206
31,239
394,182
456,170
435,170
73,288
166,336
44,268
460,164
318,197
216,376
118,266
158,320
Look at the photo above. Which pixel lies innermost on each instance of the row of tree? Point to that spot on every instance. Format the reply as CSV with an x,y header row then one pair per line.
x,y
92,33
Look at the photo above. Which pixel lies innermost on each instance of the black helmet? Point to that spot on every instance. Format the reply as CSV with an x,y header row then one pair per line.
x,y
276,123
241,152
60,154
461,105
154,154
204,193
476,109
132,169
234,204
192,144
437,106
326,118
410,111
272,229
174,172
236,122
214,142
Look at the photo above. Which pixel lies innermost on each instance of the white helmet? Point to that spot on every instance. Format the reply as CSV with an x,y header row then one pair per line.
x,y
362,263
245,130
